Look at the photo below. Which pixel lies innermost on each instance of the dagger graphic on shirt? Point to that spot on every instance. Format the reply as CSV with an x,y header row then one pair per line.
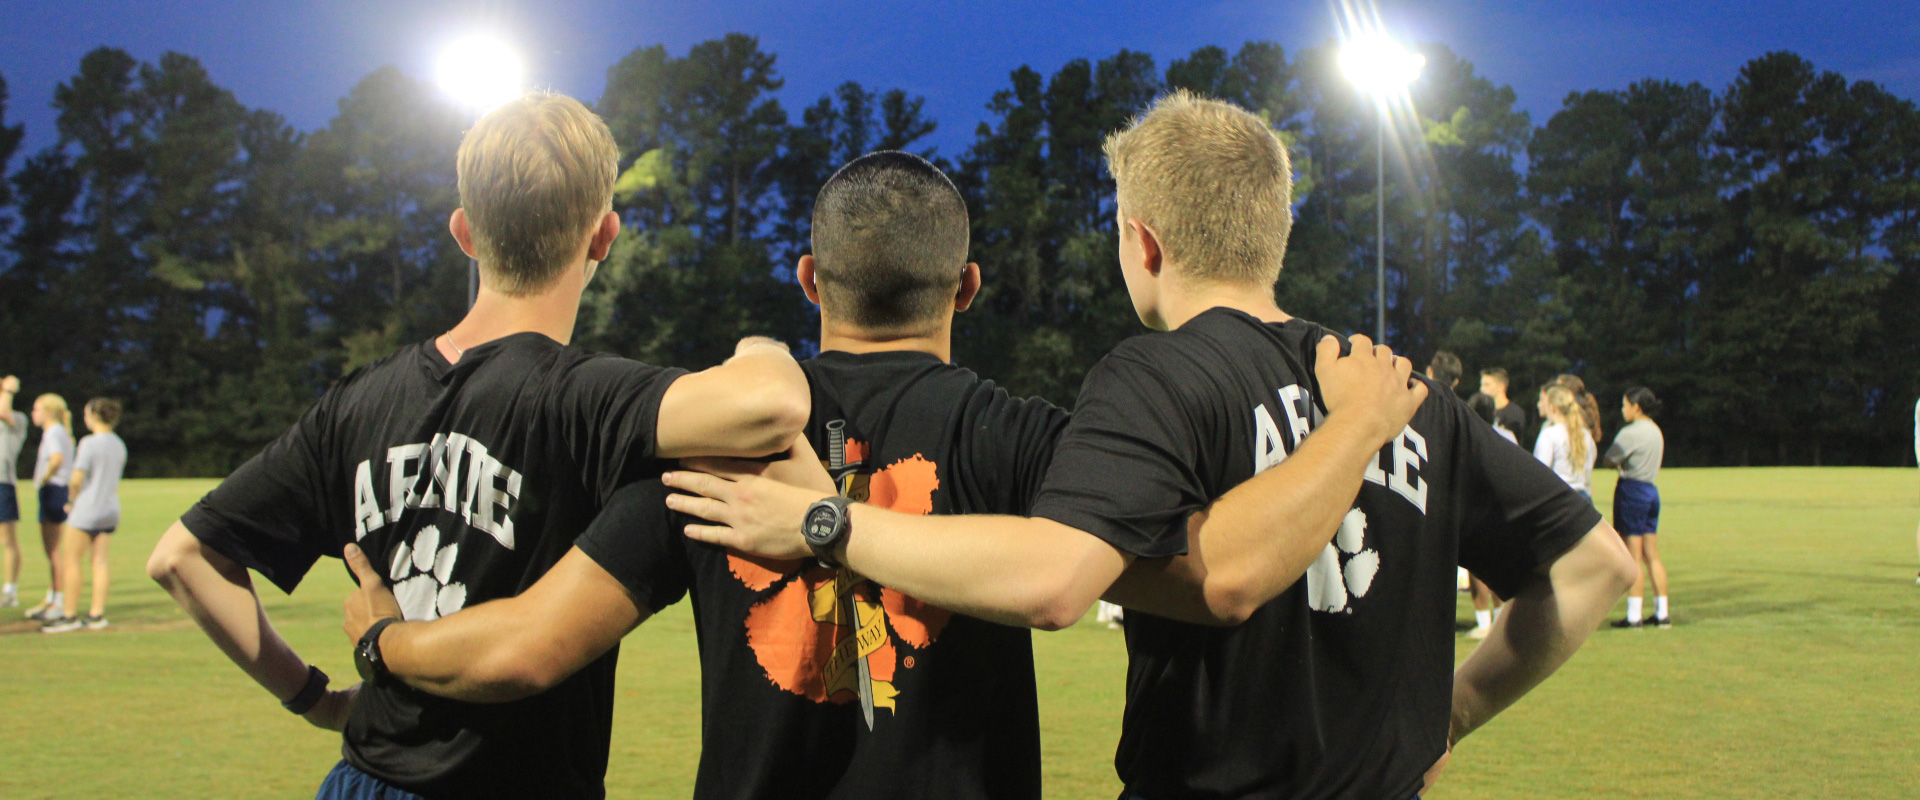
x,y
850,607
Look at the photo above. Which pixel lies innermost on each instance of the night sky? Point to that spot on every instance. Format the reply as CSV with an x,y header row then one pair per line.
x,y
300,58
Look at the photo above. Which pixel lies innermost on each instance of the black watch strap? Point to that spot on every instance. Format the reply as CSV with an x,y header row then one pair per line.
x,y
366,654
310,694
823,536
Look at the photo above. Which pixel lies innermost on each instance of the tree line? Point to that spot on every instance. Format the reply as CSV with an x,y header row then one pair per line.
x,y
1750,253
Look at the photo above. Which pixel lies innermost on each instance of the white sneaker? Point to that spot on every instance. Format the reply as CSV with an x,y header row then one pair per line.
x,y
1479,633
94,623
9,600
63,625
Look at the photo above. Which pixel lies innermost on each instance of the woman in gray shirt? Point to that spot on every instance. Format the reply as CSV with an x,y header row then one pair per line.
x,y
1637,450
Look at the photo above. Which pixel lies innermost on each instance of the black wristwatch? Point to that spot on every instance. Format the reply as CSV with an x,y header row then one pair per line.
x,y
366,654
825,527
310,694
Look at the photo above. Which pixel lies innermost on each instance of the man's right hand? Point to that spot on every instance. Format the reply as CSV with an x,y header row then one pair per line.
x,y
1370,383
370,603
10,384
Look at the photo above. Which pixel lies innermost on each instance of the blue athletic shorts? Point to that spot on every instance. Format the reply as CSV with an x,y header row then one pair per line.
x,y
53,502
1636,507
347,783
9,503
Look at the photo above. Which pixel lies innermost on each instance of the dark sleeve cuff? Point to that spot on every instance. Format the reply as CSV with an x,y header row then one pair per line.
x,y
1123,538
221,536
1543,550
648,588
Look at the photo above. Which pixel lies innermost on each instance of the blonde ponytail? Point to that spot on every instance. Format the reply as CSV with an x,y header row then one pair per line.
x,y
1567,411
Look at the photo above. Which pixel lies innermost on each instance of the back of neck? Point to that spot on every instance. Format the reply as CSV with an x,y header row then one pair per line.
x,y
495,315
847,339
1181,303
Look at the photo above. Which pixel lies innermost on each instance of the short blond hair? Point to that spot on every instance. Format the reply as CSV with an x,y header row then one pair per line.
x,y
536,175
1212,180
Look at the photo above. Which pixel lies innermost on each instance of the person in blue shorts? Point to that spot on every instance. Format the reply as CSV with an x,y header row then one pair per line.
x,y
1637,450
52,468
92,516
13,434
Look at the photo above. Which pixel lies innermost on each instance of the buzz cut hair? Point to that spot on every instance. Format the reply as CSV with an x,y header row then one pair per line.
x,y
536,175
889,242
1212,180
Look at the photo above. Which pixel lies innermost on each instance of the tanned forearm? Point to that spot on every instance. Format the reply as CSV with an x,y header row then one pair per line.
x,y
1540,628
1012,570
510,648
218,594
751,406
1258,539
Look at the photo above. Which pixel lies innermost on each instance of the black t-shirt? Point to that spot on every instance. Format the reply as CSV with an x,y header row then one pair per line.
x,y
1512,417
954,710
463,483
1341,686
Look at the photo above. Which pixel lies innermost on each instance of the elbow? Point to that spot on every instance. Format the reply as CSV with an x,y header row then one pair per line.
x,y
1057,614
1231,601
1620,570
170,556
779,412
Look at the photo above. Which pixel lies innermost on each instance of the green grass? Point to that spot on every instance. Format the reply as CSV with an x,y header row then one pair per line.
x,y
1793,670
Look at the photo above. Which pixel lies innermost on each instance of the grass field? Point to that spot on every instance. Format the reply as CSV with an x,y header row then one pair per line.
x,y
1792,670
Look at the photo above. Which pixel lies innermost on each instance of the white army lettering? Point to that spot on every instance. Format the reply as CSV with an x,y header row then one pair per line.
x,y
1406,455
457,474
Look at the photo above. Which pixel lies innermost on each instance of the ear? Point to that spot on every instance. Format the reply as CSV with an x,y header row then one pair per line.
x,y
1151,254
603,237
803,272
969,287
457,225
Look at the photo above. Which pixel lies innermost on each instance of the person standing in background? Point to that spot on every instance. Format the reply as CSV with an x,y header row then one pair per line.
x,y
51,470
1506,413
1566,443
1589,405
1445,369
13,435
1486,604
92,516
1637,450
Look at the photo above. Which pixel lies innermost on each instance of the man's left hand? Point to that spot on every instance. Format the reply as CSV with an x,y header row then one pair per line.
x,y
370,603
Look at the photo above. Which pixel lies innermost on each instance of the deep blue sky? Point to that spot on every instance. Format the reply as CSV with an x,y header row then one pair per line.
x,y
300,58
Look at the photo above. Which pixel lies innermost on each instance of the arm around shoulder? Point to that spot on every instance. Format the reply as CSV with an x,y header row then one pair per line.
x,y
752,405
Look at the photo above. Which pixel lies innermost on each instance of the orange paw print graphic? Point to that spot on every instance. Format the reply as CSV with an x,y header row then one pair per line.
x,y
820,632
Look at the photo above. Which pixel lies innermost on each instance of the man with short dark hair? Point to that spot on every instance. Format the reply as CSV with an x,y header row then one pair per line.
x,y
1506,413
466,465
1445,369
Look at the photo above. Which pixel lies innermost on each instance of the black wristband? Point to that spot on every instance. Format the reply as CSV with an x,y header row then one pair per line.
x,y
310,694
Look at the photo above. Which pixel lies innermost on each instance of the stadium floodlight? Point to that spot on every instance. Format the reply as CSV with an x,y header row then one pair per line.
x,y
1383,68
480,73
1379,65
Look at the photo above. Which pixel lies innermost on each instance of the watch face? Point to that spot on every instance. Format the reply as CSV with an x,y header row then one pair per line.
x,y
821,521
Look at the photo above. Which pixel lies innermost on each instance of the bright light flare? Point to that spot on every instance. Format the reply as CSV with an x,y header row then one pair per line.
x,y
480,73
1379,65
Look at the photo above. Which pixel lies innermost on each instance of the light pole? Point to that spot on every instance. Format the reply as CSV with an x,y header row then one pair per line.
x,y
1382,68
479,73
